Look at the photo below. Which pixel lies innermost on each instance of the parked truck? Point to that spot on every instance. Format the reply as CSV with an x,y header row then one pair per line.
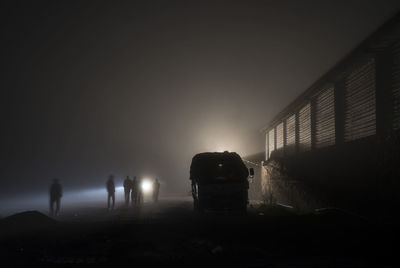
x,y
219,181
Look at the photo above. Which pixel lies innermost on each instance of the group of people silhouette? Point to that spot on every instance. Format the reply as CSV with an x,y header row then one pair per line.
x,y
132,189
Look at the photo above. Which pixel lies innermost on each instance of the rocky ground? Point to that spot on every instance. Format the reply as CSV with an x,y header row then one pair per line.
x,y
170,233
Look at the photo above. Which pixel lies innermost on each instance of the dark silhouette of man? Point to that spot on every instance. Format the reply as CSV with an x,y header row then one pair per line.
x,y
156,190
139,193
135,191
111,191
55,196
127,189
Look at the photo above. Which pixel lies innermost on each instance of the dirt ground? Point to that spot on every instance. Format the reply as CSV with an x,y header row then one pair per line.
x,y
171,233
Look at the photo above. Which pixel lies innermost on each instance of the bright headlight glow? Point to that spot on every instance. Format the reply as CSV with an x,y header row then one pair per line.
x,y
146,186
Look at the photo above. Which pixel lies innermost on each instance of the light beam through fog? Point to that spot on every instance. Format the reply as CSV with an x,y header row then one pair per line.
x,y
89,197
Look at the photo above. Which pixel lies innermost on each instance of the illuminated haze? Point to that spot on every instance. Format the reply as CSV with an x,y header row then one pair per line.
x,y
95,89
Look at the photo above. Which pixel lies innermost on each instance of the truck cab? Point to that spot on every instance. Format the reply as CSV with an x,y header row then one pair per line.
x,y
219,181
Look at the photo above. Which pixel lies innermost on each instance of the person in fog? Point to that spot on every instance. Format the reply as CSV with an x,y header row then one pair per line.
x,y
55,197
127,189
156,190
111,191
135,187
139,193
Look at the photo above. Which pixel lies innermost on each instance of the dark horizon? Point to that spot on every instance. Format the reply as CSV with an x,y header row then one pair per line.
x,y
138,89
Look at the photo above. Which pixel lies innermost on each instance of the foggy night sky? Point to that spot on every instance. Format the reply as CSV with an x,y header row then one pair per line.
x,y
95,88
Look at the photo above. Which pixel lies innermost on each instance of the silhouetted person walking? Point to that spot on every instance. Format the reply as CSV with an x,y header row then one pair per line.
x,y
111,191
135,191
127,189
140,191
156,190
55,197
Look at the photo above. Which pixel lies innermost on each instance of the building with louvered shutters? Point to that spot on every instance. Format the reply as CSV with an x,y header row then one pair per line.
x,y
338,144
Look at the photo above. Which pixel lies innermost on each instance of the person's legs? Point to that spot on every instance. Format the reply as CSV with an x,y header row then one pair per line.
x,y
126,197
113,200
51,206
134,196
57,206
108,201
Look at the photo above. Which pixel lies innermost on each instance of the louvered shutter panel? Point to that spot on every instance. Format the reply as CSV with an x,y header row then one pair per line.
x,y
291,135
360,111
305,128
325,118
279,136
271,141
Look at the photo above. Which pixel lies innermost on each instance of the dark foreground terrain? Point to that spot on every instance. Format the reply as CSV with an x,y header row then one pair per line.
x,y
170,233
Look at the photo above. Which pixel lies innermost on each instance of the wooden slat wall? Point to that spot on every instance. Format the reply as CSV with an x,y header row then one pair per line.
x,y
396,87
305,128
291,135
266,147
325,118
271,141
279,136
360,112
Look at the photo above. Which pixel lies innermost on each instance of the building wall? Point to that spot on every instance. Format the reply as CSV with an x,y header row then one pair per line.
x,y
340,140
360,102
313,125
325,118
304,128
395,86
290,145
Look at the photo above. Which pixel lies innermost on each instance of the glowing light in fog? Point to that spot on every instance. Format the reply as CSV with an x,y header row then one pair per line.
x,y
119,188
146,186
